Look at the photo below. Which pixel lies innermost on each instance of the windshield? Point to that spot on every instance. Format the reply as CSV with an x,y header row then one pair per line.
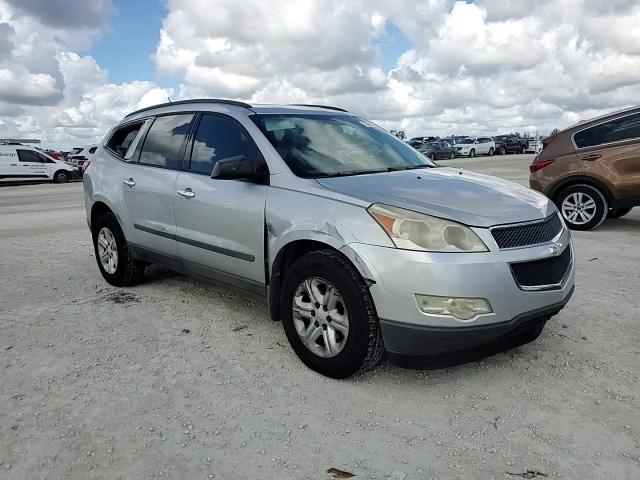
x,y
430,145
467,141
320,145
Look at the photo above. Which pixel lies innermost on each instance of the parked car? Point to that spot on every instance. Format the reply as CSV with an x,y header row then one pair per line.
x,y
25,163
80,155
510,144
359,242
472,146
437,150
592,170
416,142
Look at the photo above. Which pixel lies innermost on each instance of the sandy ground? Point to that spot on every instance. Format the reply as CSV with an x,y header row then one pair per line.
x,y
97,382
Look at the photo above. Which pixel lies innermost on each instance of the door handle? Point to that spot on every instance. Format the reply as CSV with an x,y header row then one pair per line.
x,y
186,193
595,156
129,183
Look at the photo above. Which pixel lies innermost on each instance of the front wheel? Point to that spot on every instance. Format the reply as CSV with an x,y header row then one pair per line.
x,y
583,207
329,317
112,253
491,152
61,176
452,155
523,150
618,212
503,151
472,153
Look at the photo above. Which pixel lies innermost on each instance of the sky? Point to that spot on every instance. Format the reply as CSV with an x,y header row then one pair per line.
x,y
69,69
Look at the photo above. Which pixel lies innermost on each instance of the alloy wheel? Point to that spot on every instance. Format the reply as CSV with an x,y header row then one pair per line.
x,y
579,208
320,317
107,250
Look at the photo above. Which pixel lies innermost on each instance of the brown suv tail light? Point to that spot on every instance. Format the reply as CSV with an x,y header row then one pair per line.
x,y
539,164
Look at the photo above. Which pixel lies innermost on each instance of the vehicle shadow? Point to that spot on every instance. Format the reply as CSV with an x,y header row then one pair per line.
x,y
629,223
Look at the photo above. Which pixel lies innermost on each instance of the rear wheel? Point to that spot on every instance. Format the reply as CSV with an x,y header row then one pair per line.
x,y
61,176
583,207
112,253
523,150
432,156
491,152
502,151
452,155
329,317
618,212
472,153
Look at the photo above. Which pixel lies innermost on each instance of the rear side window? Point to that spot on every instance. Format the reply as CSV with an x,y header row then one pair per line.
x,y
124,140
219,137
164,141
617,130
92,150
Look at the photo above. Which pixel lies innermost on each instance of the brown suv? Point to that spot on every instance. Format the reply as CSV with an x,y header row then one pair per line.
x,y
592,170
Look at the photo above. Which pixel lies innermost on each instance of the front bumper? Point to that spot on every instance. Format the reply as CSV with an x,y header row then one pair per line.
x,y
433,347
396,276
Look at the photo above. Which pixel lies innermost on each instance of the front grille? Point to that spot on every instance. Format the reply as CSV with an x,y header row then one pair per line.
x,y
528,234
540,273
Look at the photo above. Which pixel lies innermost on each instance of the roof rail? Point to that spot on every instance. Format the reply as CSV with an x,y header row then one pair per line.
x,y
17,141
328,107
193,100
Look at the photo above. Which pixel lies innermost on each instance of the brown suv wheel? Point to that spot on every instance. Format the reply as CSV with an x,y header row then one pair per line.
x,y
583,206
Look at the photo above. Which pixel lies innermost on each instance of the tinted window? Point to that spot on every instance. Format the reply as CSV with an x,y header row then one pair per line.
x,y
30,156
162,146
613,131
219,137
92,150
123,138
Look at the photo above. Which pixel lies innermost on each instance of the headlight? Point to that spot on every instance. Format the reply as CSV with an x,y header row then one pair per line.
x,y
416,231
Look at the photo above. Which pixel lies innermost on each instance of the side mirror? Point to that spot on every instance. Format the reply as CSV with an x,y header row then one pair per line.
x,y
233,168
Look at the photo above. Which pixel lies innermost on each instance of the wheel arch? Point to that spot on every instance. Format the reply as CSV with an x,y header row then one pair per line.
x,y
579,180
293,250
99,208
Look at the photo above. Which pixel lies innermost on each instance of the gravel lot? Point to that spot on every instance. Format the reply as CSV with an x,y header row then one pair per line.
x,y
98,382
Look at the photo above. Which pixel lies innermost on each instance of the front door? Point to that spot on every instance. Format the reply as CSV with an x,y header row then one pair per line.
x,y
32,165
149,182
220,223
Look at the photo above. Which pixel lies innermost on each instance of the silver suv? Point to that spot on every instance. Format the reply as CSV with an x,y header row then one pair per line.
x,y
360,244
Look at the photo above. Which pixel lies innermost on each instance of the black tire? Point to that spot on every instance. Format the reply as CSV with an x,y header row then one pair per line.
x,y
618,212
491,151
472,153
61,176
128,271
523,150
601,206
432,157
502,151
452,155
364,346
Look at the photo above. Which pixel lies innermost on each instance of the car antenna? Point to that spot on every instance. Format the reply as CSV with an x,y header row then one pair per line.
x,y
169,98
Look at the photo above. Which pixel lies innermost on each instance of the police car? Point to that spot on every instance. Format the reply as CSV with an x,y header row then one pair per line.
x,y
20,162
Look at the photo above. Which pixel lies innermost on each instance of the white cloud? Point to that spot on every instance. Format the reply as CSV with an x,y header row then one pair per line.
x,y
488,67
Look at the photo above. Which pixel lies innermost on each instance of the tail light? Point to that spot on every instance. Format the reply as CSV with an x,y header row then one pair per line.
x,y
539,164
84,166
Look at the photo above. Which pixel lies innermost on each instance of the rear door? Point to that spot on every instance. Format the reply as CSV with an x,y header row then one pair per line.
x,y
148,184
610,151
220,223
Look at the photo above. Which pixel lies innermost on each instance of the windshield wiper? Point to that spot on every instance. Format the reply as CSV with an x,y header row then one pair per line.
x,y
349,173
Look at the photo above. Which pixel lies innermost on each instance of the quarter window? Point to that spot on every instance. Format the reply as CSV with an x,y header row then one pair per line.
x,y
165,138
617,130
124,140
219,137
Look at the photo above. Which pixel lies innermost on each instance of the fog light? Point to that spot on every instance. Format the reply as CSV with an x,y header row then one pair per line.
x,y
460,308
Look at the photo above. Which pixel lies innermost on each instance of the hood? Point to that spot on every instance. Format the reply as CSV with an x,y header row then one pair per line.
x,y
467,197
